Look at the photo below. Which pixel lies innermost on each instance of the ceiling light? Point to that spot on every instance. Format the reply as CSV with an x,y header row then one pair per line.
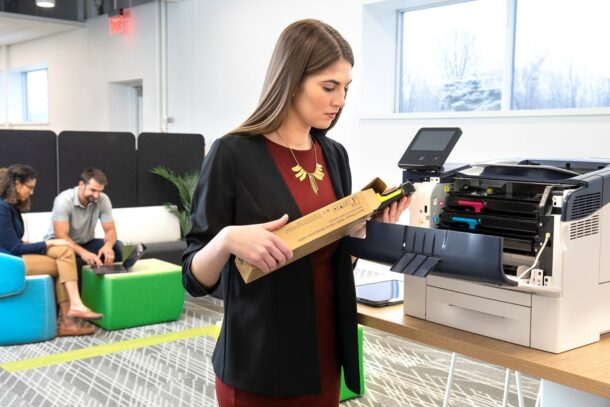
x,y
45,3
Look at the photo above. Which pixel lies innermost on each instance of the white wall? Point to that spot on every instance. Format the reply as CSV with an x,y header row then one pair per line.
x,y
83,63
219,50
218,55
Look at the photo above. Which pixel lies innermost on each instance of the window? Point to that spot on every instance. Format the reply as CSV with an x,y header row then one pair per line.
x,y
36,100
28,95
451,60
461,56
560,54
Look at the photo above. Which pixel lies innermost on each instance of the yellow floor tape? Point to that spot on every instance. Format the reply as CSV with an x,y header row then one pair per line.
x,y
91,352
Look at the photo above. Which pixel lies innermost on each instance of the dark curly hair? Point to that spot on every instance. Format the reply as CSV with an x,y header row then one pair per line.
x,y
8,176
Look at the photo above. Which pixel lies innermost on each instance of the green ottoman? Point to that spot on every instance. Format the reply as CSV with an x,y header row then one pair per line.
x,y
151,292
346,393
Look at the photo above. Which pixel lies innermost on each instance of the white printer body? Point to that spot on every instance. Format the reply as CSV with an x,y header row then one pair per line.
x,y
553,213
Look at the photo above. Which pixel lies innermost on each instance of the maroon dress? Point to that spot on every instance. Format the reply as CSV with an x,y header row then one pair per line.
x,y
324,292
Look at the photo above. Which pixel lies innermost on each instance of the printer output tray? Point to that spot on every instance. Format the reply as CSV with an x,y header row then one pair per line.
x,y
417,251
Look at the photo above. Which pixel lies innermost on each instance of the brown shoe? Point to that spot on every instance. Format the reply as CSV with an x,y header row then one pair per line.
x,y
89,315
75,330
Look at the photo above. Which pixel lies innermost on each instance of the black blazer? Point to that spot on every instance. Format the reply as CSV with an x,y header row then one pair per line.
x,y
268,344
11,232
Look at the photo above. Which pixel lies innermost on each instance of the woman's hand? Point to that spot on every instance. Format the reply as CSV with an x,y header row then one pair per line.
x,y
257,244
392,213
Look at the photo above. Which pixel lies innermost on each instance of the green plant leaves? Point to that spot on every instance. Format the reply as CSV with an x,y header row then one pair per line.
x,y
185,184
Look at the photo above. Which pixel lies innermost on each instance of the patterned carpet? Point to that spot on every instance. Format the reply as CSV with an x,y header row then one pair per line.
x,y
398,372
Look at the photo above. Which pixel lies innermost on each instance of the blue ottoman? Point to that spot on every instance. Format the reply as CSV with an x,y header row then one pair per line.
x,y
27,304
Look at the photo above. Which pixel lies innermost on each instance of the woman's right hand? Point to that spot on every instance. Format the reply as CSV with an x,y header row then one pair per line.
x,y
57,242
257,244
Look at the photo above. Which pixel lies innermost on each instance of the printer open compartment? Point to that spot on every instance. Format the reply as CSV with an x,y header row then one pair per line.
x,y
518,202
518,211
552,220
515,249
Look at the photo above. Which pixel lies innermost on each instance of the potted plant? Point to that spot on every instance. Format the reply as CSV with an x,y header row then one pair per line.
x,y
186,186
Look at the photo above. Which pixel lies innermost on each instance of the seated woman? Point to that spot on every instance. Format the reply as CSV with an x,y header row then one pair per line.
x,y
54,257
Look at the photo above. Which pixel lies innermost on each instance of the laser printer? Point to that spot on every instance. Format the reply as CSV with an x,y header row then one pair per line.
x,y
517,250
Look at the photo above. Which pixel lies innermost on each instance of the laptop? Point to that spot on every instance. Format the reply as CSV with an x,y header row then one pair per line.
x,y
130,253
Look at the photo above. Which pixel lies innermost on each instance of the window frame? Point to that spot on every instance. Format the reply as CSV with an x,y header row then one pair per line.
x,y
375,106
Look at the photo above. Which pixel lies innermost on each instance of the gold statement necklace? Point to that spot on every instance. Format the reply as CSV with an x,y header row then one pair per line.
x,y
300,173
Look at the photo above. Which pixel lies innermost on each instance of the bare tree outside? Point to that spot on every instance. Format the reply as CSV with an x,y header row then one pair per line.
x,y
539,87
561,68
454,56
417,94
458,55
527,86
564,88
463,89
449,61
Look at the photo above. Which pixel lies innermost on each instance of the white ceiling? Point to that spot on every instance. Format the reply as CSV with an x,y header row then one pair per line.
x,y
19,28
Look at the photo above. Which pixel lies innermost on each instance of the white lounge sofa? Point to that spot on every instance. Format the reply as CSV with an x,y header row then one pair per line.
x,y
154,226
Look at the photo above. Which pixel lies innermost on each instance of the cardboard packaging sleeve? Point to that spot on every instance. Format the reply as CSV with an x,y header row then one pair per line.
x,y
322,227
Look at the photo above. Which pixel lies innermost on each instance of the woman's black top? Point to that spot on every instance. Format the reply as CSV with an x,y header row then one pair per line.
x,y
267,343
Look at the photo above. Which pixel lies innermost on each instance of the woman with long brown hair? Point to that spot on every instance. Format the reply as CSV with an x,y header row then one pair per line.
x,y
54,257
285,336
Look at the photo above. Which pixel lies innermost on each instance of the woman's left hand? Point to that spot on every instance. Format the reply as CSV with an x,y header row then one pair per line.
x,y
392,213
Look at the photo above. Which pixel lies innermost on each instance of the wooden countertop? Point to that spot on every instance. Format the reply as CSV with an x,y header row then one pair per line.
x,y
586,368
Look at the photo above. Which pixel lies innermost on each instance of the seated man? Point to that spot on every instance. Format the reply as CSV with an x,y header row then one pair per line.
x,y
75,214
